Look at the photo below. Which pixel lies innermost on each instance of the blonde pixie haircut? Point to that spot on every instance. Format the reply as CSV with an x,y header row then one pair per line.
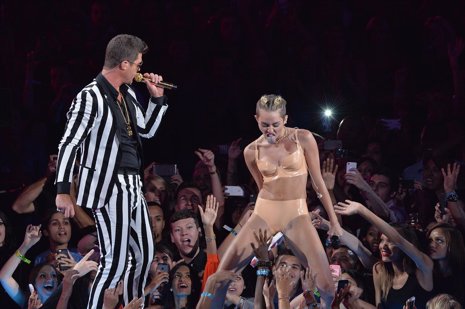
x,y
271,103
443,301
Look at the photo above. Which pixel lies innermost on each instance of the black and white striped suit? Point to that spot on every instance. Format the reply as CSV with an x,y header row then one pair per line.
x,y
117,201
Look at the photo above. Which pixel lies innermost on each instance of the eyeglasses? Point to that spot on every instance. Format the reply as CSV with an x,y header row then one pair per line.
x,y
137,64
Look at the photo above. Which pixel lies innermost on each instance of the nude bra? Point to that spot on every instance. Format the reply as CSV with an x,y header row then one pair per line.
x,y
291,165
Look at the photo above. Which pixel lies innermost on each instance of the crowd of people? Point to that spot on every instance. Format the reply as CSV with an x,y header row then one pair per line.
x,y
363,209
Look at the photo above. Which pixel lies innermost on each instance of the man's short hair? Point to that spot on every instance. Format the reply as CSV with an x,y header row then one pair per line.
x,y
184,214
123,47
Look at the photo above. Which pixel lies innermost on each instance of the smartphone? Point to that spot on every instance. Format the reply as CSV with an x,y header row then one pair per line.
x,y
60,265
335,270
351,166
163,267
233,191
341,284
443,205
165,170
410,303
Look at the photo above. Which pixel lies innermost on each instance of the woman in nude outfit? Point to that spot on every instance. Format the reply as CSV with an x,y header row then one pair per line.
x,y
279,161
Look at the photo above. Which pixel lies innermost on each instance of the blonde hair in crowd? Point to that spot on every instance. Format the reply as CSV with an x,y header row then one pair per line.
x,y
271,103
443,301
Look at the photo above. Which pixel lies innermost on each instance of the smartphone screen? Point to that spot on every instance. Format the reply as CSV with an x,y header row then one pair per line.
x,y
163,267
342,284
351,166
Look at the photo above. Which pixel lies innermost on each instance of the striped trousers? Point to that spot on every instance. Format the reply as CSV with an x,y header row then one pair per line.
x,y
125,240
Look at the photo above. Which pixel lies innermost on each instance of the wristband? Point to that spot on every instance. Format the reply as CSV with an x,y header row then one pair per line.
x,y
262,272
230,230
209,239
22,257
207,294
452,196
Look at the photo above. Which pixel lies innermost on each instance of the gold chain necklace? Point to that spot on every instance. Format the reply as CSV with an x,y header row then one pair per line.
x,y
128,120
278,140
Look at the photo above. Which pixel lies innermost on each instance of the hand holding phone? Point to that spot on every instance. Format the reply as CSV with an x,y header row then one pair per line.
x,y
341,284
410,303
351,167
163,267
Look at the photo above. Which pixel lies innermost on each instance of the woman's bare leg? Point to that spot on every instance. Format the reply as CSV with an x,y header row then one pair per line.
x,y
302,238
239,253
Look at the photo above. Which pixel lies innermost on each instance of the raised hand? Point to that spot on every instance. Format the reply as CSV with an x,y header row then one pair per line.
x,y
206,156
356,179
261,249
328,172
269,290
34,301
308,279
235,150
284,282
450,176
347,208
340,296
318,221
211,210
84,265
32,236
111,296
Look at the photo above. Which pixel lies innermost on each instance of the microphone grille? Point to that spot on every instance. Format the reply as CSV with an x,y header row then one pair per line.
x,y
139,77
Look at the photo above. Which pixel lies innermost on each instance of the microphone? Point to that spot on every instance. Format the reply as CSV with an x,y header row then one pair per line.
x,y
140,78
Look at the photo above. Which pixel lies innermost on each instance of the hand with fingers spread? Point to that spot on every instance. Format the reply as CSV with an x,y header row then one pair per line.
x,y
111,296
328,172
450,175
211,210
261,249
348,208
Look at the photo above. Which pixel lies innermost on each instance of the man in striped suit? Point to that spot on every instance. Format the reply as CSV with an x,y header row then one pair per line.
x,y
104,129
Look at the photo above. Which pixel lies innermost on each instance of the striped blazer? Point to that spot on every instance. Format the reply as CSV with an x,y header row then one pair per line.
x,y
91,132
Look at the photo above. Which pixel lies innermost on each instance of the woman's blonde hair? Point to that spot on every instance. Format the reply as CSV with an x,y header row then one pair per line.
x,y
443,301
271,103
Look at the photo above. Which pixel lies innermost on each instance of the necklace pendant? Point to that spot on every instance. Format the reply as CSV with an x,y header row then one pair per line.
x,y
129,129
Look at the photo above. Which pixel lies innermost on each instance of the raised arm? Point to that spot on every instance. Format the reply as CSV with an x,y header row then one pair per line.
x,y
208,158
313,162
422,261
353,243
31,237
